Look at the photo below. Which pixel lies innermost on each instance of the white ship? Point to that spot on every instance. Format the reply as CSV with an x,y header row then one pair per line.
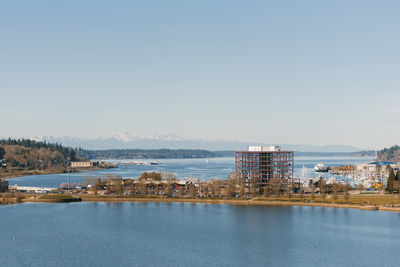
x,y
320,167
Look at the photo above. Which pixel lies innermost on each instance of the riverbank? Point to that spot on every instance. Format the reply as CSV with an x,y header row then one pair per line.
x,y
250,202
367,202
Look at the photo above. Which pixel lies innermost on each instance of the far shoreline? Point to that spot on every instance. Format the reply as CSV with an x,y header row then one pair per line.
x,y
46,172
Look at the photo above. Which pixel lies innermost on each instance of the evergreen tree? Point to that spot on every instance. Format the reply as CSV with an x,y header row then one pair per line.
x,y
2,153
390,181
397,178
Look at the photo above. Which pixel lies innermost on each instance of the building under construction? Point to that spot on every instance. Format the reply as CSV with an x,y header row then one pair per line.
x,y
261,163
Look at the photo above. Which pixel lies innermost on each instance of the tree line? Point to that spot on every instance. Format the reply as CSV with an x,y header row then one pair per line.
x,y
67,152
389,154
145,153
31,154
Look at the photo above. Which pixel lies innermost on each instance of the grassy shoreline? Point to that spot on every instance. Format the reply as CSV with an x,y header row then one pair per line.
x,y
243,202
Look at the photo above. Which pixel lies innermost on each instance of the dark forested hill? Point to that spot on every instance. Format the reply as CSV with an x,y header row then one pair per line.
x,y
145,154
30,154
389,154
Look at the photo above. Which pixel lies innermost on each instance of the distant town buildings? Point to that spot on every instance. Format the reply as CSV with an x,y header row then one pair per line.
x,y
373,173
262,163
376,167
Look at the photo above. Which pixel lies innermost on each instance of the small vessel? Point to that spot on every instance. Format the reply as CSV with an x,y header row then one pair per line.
x,y
320,167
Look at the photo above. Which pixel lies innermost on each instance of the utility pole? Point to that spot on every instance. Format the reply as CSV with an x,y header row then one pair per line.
x,y
69,178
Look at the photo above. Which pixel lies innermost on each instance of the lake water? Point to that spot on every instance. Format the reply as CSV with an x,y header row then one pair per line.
x,y
175,234
201,168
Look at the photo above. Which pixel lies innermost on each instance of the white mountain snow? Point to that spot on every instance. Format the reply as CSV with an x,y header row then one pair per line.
x,y
126,140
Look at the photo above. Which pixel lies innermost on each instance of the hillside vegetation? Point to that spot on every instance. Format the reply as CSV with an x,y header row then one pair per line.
x,y
389,154
24,155
145,154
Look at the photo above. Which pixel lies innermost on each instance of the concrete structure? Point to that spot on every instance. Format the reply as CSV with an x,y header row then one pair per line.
x,y
263,163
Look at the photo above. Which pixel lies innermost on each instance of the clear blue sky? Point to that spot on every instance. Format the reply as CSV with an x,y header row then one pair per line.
x,y
314,72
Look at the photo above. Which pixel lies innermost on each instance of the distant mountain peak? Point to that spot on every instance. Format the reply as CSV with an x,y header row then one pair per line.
x,y
125,136
127,140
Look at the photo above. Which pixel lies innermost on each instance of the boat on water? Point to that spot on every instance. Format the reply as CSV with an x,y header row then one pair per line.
x,y
146,163
320,167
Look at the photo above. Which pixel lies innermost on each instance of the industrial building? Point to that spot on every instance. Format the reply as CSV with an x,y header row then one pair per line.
x,y
86,164
263,163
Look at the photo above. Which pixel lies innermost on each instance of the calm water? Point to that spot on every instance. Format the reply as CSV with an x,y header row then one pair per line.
x,y
174,234
201,168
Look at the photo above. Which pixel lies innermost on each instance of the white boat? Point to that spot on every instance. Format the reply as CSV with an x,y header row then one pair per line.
x,y
320,167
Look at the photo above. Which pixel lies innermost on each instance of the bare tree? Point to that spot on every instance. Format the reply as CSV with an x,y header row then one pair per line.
x,y
206,190
267,190
276,184
168,188
142,187
288,190
323,187
255,182
360,187
119,187
230,190
132,189
181,191
192,190
157,189
217,187
335,188
96,186
87,180
242,191
312,192
301,193
347,191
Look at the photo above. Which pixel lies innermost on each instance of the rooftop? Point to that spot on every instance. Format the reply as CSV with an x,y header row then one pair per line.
x,y
263,148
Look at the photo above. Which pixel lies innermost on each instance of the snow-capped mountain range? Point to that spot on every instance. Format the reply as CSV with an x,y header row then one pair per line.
x,y
126,140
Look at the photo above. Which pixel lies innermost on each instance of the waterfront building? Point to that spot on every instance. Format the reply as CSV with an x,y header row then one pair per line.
x,y
261,163
373,173
81,164
374,167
